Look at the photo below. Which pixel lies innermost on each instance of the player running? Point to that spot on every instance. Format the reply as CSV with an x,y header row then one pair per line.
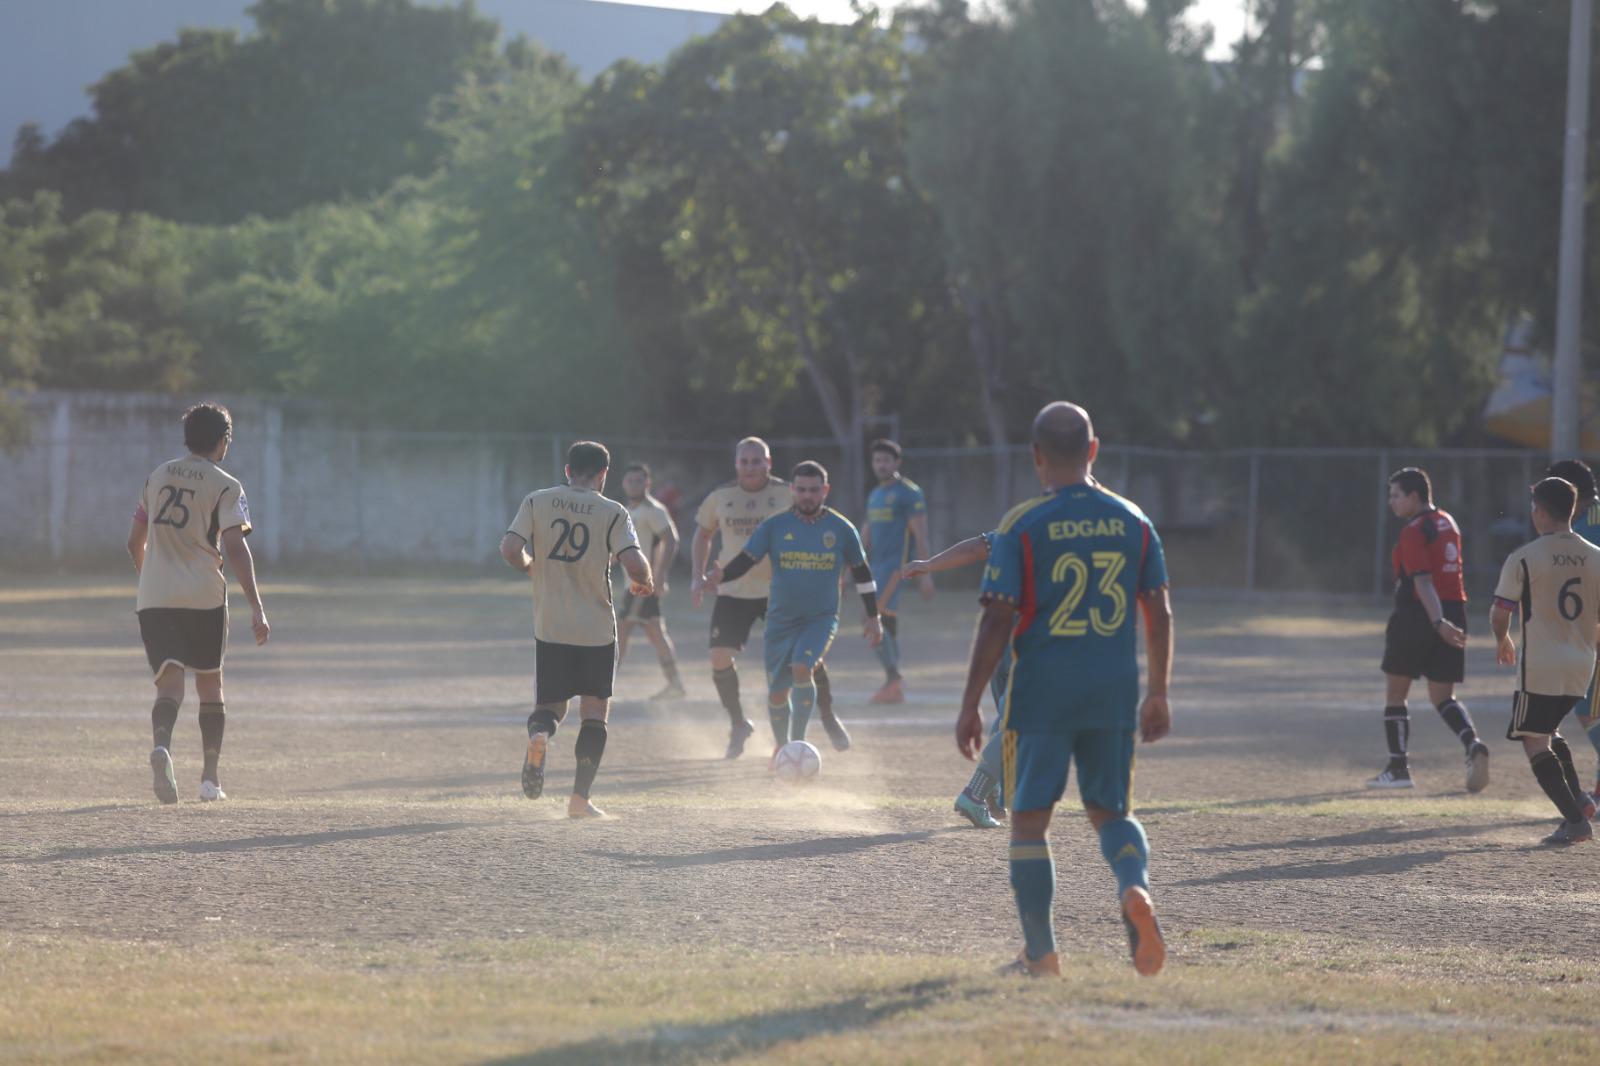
x,y
564,538
191,515
658,540
1586,524
897,514
1427,632
735,510
1065,572
809,545
1554,583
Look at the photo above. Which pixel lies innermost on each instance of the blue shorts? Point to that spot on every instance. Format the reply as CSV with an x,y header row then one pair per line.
x,y
799,643
1036,767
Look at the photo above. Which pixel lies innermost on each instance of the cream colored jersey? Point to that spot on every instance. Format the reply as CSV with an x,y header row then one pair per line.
x,y
651,521
737,513
573,535
1555,583
188,504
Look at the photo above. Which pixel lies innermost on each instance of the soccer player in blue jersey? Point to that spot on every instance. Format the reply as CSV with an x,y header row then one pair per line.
x,y
897,515
810,545
1586,524
1065,573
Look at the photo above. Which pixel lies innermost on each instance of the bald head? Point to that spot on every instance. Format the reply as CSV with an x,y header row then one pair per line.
x,y
1063,433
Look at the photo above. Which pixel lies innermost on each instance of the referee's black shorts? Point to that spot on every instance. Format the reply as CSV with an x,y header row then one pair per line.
x,y
562,671
1413,648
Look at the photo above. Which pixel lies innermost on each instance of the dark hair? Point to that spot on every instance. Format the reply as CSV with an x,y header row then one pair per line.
x,y
206,425
1575,472
809,468
1558,498
887,447
637,468
1414,481
587,458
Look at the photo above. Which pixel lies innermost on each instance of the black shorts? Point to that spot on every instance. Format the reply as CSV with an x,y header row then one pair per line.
x,y
732,619
1536,715
562,671
195,639
1413,648
640,608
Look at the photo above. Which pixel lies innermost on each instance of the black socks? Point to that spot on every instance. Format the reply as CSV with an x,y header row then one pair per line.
x,y
591,745
1548,772
727,682
163,716
541,721
819,677
213,719
1397,730
1455,715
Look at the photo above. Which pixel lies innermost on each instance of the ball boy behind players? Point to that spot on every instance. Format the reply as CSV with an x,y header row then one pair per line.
x,y
564,538
1554,585
192,514
1427,632
809,546
1064,577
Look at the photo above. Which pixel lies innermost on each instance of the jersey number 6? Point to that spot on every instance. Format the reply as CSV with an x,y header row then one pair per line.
x,y
1075,572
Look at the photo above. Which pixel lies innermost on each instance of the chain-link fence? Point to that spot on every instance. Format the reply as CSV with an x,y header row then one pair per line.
x,y
1259,520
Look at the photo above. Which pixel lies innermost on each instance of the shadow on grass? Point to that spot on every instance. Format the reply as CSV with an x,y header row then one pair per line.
x,y
255,843
1310,799
739,1037
799,849
1384,835
1332,871
100,808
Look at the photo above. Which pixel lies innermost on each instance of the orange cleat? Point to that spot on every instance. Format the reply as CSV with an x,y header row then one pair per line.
x,y
1145,943
1047,965
892,692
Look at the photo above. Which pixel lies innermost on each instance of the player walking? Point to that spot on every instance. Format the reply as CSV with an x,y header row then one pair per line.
x,y
1065,572
1427,632
192,514
897,513
809,545
1554,583
658,540
1586,524
735,510
564,538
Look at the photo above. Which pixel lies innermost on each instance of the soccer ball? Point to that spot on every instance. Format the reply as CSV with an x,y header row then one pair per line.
x,y
797,761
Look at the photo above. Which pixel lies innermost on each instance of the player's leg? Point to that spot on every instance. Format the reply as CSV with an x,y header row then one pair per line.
x,y
655,630
838,735
730,629
1533,722
625,626
555,686
1105,781
979,800
1445,669
802,700
163,718
591,745
213,720
1569,770
778,648
1396,731
1589,719
1036,775
810,646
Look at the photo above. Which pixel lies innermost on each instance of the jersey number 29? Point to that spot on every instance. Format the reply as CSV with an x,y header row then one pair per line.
x,y
572,542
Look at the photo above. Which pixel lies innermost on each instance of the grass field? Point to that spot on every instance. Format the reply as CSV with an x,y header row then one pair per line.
x,y
377,889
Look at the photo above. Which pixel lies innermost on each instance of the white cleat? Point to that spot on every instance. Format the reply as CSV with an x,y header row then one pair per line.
x,y
1391,779
210,791
1478,768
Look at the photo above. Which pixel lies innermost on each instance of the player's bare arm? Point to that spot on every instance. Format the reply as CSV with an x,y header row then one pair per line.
x,y
1505,649
138,532
737,567
1155,714
1428,596
872,629
666,550
964,553
699,552
637,567
919,539
514,550
243,565
995,626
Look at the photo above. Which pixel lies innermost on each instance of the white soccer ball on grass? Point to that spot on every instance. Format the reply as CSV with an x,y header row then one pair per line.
x,y
797,761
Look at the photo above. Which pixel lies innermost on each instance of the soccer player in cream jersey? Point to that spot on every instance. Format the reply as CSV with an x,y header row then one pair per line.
x,y
1553,585
191,515
1586,524
565,538
658,540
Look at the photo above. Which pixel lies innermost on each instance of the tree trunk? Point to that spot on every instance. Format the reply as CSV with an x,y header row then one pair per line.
x,y
981,339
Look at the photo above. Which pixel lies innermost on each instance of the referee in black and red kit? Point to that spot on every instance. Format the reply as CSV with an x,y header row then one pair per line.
x,y
1427,634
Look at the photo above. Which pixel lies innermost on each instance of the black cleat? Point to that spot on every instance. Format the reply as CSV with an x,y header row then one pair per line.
x,y
836,732
737,736
533,764
166,781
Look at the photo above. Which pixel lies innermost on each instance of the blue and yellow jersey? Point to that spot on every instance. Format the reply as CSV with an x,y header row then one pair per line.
x,y
807,557
1586,523
1074,563
890,509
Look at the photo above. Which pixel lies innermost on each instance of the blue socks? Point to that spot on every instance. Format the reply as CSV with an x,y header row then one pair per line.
x,y
989,763
1033,882
778,714
803,698
1123,843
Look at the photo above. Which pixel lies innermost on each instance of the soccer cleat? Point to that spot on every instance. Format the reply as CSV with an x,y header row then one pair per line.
x,y
210,792
1145,942
533,764
996,805
580,807
737,735
166,781
1046,965
1478,767
836,731
1590,807
1391,778
1569,833
975,812
671,692
892,692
